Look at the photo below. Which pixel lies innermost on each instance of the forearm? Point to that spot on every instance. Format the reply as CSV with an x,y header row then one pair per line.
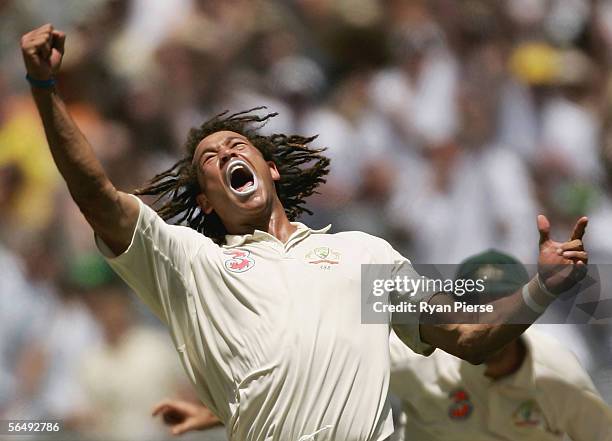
x,y
111,214
88,184
476,335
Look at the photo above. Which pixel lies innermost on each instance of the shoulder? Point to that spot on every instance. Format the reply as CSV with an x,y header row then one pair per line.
x,y
152,225
364,240
361,237
369,249
190,235
554,365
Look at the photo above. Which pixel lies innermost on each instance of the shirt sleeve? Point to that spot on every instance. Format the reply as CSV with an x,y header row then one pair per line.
x,y
591,417
411,374
584,415
402,357
407,324
157,263
570,397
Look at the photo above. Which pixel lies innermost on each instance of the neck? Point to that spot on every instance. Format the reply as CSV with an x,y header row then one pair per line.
x,y
279,225
507,361
275,222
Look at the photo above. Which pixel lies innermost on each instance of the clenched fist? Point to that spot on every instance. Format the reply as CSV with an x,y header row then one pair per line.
x,y
43,49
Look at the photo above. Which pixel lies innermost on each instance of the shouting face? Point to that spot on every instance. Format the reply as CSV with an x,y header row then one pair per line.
x,y
237,183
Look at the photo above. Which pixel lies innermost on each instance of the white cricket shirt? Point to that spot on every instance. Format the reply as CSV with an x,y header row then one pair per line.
x,y
448,399
270,333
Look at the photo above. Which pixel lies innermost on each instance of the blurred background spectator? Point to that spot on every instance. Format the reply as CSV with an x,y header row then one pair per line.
x,y
450,126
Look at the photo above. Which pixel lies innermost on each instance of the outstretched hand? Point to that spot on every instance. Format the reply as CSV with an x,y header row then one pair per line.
x,y
561,264
184,416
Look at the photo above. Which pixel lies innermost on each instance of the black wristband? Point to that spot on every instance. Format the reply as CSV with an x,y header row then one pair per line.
x,y
42,84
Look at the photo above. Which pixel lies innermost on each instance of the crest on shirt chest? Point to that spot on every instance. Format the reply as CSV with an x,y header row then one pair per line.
x,y
323,256
527,414
461,407
238,261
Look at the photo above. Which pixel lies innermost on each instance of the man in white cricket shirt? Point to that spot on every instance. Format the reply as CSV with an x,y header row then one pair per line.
x,y
534,389
547,396
265,312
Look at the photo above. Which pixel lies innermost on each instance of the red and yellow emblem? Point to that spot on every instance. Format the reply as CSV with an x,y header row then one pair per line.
x,y
461,407
240,260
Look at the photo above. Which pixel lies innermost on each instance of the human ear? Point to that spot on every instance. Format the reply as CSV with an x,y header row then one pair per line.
x,y
273,171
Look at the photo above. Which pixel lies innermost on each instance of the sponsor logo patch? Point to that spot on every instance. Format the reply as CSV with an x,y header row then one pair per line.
x,y
527,414
461,407
239,262
322,255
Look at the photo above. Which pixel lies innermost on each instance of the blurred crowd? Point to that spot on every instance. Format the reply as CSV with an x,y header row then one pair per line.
x,y
450,125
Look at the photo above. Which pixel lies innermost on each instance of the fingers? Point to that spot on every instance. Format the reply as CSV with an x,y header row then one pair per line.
x,y
574,245
36,43
579,228
574,251
576,255
202,421
160,407
183,416
543,228
190,424
575,238
42,33
43,47
59,38
42,40
167,405
37,47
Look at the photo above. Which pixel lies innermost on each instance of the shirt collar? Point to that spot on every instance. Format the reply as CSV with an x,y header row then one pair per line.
x,y
302,231
524,378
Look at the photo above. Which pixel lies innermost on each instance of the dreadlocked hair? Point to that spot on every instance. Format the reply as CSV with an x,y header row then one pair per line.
x,y
302,169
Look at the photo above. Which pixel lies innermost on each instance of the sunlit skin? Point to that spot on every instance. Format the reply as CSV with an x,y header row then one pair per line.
x,y
240,214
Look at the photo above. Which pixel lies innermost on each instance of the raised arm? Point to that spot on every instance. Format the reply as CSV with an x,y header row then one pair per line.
x,y
475,336
111,213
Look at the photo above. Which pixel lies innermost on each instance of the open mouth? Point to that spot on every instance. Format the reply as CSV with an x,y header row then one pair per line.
x,y
241,178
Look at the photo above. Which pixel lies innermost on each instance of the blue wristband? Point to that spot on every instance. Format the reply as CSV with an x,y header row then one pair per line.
x,y
43,84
